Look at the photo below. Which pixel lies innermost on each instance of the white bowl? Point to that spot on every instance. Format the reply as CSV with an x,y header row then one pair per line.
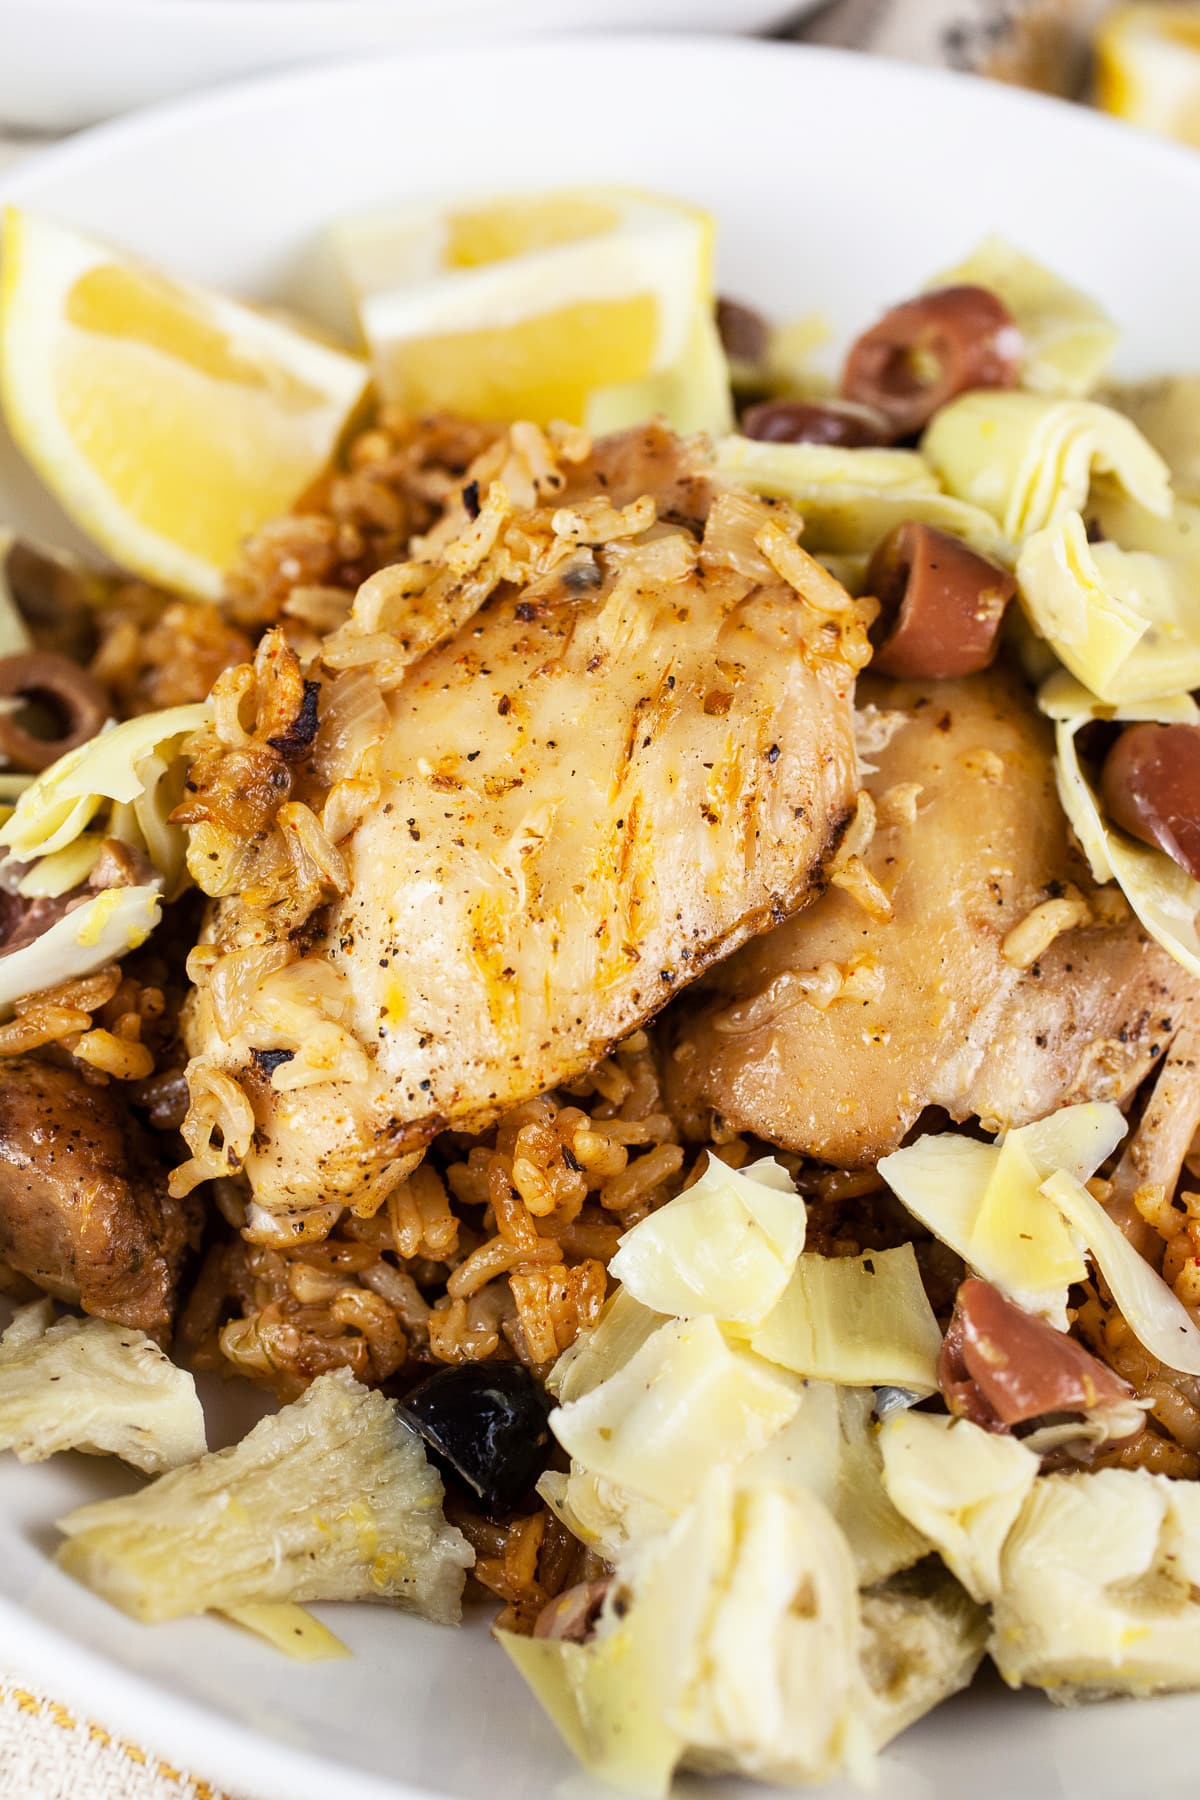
x,y
66,63
840,183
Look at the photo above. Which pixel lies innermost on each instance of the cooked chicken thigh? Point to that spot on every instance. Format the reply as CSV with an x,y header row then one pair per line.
x,y
84,1209
635,756
833,1034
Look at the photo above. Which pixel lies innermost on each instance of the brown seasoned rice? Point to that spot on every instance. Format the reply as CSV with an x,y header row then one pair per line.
x,y
494,1246
112,1023
155,651
396,477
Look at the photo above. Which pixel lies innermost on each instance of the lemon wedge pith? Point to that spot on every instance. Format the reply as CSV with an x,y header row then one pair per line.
x,y
543,307
168,421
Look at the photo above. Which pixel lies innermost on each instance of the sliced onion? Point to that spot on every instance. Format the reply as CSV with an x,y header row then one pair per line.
x,y
1159,1321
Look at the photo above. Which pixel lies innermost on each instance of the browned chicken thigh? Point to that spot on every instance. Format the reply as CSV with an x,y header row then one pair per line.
x,y
605,779
834,1033
84,1209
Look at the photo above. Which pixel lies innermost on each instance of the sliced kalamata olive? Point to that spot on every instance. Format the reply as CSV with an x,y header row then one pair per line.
x,y
1001,1366
571,1618
745,334
838,422
1150,785
72,703
941,605
485,1424
925,351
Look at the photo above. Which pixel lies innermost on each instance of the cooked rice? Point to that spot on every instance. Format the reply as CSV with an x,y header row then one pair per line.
x,y
112,1023
1176,1219
495,1246
396,477
1171,1443
156,651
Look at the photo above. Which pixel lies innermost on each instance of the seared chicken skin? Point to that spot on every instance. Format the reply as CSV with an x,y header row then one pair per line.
x,y
634,755
84,1209
833,1034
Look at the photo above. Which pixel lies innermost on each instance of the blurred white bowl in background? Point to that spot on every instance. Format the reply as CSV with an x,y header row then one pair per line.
x,y
66,63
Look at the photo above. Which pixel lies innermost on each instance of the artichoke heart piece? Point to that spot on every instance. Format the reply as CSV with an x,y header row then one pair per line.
x,y
851,499
831,1449
1091,1576
727,1246
1029,458
1098,1586
1167,411
861,1320
960,1486
1164,896
87,1384
329,1499
686,1401
923,1639
618,1334
1157,1318
1012,1230
738,1642
136,768
56,874
1126,623
1069,341
986,1200
611,1700
98,932
600,1513
777,1689
292,1630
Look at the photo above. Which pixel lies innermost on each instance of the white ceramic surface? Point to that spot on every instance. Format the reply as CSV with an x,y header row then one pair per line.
x,y
839,183
66,63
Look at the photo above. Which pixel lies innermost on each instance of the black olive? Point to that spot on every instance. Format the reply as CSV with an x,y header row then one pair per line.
x,y
484,1423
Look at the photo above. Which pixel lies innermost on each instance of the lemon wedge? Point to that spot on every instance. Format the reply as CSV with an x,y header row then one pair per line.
x,y
168,421
1148,68
594,306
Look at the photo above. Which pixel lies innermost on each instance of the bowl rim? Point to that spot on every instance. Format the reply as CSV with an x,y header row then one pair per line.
x,y
257,92
244,15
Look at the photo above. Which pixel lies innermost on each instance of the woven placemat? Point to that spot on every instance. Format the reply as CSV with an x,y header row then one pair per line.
x,y
49,1752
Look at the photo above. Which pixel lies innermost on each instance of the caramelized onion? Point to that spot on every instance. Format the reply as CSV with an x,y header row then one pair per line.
x,y
838,422
925,351
941,605
1000,1366
1150,785
73,698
